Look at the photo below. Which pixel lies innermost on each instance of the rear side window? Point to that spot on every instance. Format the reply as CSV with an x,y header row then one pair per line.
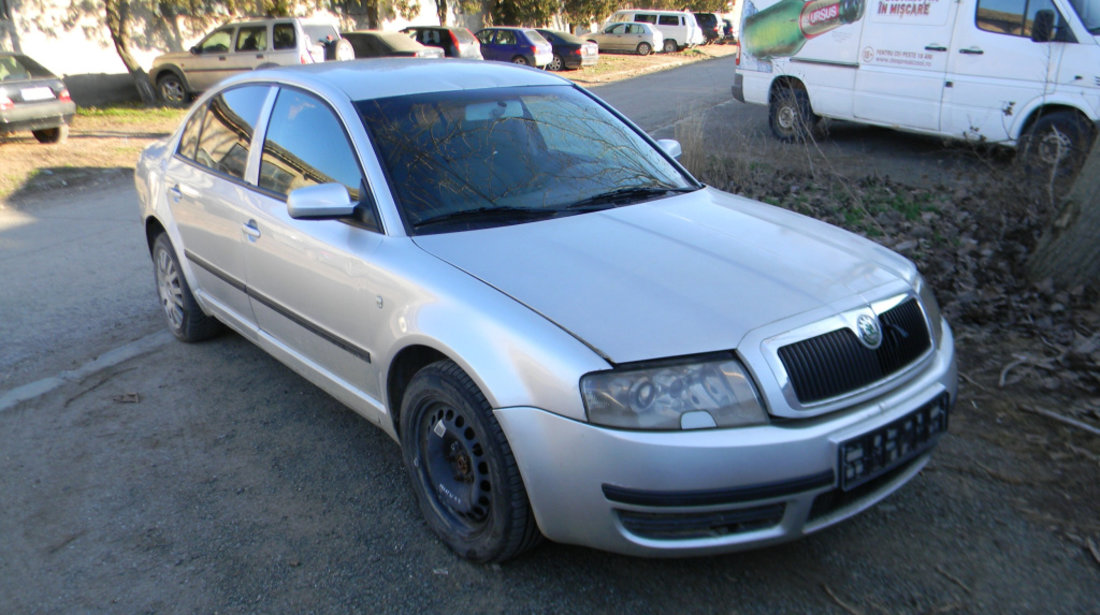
x,y
646,18
505,37
230,120
252,38
190,139
669,20
306,145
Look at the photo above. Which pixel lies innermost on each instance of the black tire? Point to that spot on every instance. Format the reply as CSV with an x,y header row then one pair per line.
x,y
463,472
644,49
521,61
790,116
171,90
185,318
557,63
671,46
339,50
52,135
1056,145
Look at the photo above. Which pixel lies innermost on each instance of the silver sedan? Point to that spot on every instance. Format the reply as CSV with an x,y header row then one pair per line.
x,y
568,335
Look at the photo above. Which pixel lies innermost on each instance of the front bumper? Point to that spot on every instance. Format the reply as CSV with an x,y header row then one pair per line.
x,y
632,492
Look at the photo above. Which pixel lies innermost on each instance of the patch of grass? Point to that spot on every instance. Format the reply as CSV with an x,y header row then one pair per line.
x,y
129,113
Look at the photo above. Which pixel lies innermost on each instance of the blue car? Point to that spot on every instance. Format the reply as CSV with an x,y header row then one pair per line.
x,y
516,45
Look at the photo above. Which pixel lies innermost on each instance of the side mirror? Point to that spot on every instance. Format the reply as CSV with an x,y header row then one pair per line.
x,y
671,147
1042,29
195,50
320,202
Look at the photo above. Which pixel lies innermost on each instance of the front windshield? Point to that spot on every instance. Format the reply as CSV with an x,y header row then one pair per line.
x,y
1089,12
479,158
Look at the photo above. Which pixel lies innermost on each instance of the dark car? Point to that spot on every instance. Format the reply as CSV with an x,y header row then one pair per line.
x,y
32,98
378,44
455,42
709,24
515,45
570,51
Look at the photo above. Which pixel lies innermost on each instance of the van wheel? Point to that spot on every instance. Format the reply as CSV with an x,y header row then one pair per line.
x,y
671,46
790,116
1056,144
464,474
644,49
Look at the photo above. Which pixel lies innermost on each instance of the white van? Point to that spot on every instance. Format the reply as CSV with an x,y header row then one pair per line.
x,y
1023,73
679,28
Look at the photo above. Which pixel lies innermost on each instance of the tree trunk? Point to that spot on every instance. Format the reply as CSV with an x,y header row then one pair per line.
x,y
118,13
441,11
1068,252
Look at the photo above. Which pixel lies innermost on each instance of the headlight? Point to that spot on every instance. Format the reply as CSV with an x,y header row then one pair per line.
x,y
695,395
931,308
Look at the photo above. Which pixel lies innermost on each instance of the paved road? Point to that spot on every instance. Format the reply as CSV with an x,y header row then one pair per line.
x,y
143,475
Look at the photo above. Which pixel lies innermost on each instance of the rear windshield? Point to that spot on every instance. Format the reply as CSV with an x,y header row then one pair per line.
x,y
567,37
535,37
15,67
463,35
320,32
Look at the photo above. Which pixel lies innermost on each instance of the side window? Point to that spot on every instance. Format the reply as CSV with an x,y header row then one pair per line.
x,y
1015,17
217,42
227,130
283,36
669,20
253,38
506,37
619,29
306,145
646,18
190,138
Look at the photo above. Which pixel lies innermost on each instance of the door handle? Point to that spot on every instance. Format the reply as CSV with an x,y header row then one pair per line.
x,y
221,58
972,51
259,56
935,47
251,231
176,193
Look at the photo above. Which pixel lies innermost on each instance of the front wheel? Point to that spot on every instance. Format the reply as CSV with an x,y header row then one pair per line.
x,y
1057,144
644,49
186,319
463,472
790,116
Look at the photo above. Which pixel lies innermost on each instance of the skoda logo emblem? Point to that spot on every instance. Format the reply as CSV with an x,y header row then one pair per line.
x,y
869,331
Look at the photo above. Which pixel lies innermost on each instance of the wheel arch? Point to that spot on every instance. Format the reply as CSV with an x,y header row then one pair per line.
x,y
1044,109
789,82
403,367
160,71
153,227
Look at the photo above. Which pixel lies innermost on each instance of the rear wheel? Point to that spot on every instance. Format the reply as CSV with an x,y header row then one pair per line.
x,y
463,472
790,116
520,60
52,135
186,319
1056,144
557,63
171,90
671,46
644,49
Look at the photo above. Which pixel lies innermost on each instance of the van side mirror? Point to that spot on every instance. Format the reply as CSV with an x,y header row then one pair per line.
x,y
1042,29
320,202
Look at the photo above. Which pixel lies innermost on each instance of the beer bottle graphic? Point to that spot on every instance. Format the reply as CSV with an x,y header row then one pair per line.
x,y
783,28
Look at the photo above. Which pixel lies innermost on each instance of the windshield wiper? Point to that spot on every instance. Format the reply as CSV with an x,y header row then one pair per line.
x,y
489,215
622,196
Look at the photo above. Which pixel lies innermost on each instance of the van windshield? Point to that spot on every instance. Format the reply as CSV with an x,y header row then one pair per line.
x,y
1089,12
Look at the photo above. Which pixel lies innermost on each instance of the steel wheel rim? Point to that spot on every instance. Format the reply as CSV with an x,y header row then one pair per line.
x,y
169,288
454,469
786,117
1054,147
171,90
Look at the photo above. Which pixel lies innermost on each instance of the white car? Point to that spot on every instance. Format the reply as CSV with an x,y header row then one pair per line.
x,y
639,38
568,335
679,29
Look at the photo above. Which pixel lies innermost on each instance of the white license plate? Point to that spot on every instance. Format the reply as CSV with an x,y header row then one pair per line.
x,y
43,93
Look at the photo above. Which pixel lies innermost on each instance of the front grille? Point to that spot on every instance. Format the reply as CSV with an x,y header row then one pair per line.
x,y
680,526
836,363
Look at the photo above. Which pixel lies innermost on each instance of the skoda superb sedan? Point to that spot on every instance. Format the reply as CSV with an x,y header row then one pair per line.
x,y
569,336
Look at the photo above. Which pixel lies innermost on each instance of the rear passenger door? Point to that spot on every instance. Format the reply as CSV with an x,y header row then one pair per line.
x,y
209,197
249,48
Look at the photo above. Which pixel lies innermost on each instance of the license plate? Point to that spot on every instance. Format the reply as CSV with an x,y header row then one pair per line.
x,y
875,453
42,93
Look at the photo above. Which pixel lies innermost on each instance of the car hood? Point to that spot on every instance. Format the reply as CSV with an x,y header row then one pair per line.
x,y
682,275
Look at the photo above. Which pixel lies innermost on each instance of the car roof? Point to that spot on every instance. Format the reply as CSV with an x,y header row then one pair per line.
x,y
385,77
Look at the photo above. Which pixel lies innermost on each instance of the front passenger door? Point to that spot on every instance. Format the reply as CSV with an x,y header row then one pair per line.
x,y
310,282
